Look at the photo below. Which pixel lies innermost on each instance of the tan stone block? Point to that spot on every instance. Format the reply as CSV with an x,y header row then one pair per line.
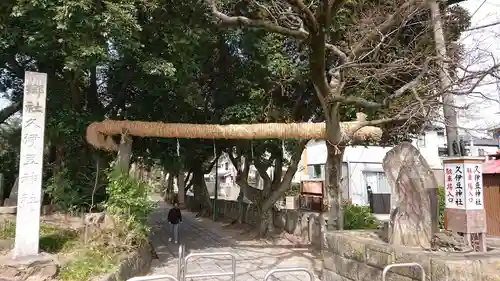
x,y
328,275
402,255
455,270
379,255
464,270
369,273
396,277
490,276
346,267
439,270
328,260
490,268
351,248
332,238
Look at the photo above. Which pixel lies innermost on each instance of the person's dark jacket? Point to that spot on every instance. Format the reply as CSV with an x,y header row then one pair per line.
x,y
174,216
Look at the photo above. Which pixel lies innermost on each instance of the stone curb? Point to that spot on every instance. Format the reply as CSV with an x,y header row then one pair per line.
x,y
10,210
137,263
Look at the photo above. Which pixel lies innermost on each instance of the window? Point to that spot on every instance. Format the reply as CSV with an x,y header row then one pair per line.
x,y
443,151
315,171
226,166
481,152
377,181
421,140
440,133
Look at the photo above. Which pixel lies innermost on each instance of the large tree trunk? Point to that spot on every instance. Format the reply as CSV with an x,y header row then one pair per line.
x,y
163,179
275,189
180,188
333,186
59,159
241,181
241,206
449,113
266,224
333,172
265,214
169,187
124,153
201,196
2,191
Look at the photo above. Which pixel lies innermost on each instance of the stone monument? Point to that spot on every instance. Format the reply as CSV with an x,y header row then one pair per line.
x,y
410,176
464,199
30,166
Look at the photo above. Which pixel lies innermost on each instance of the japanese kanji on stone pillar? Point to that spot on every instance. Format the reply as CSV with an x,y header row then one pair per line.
x,y
30,166
463,180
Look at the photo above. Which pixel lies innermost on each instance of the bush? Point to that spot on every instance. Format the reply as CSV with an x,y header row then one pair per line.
x,y
294,189
129,202
61,192
441,203
358,217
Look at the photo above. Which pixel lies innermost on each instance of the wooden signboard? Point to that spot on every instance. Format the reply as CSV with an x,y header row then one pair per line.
x,y
312,188
311,196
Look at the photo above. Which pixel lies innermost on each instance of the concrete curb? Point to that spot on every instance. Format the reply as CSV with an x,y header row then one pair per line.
x,y
137,263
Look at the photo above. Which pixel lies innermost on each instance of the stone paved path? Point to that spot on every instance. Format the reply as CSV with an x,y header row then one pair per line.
x,y
253,258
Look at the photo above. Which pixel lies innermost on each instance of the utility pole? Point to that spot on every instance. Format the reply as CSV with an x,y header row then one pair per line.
x,y
449,113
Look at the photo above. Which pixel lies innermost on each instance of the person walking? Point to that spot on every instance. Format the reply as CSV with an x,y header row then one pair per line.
x,y
174,218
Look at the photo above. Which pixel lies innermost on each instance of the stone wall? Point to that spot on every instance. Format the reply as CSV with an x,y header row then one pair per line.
x,y
304,225
349,256
138,263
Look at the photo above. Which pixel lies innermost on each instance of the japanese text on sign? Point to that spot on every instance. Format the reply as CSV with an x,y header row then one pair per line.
x,y
454,184
449,188
474,187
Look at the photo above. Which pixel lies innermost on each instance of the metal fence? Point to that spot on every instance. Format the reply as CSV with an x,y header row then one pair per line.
x,y
183,261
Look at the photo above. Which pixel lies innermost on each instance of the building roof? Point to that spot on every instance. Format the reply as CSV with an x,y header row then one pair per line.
x,y
482,141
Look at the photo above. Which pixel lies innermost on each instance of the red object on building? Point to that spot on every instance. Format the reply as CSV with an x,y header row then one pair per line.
x,y
491,167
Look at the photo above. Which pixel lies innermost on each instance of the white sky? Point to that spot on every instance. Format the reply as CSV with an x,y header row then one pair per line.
x,y
482,47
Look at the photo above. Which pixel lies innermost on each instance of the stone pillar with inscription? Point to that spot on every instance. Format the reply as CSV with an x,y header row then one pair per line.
x,y
30,166
464,209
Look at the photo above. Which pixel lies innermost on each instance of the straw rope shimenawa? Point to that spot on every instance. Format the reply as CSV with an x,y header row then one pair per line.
x,y
99,133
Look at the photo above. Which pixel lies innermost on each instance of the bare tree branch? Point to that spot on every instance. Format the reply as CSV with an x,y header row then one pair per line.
x,y
484,26
8,111
309,18
391,22
244,21
410,85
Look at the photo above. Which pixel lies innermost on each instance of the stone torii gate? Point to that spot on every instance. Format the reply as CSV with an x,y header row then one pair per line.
x,y
99,134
